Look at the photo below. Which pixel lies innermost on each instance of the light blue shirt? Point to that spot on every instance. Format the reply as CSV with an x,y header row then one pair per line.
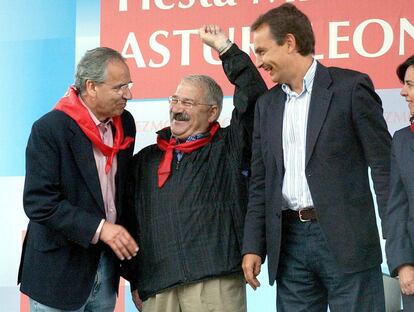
x,y
295,189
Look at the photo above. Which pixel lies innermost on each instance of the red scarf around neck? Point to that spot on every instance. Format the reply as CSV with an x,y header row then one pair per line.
x,y
412,124
164,169
72,106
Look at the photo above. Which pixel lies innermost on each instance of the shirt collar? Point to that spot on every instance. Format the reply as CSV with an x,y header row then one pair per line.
x,y
307,81
195,137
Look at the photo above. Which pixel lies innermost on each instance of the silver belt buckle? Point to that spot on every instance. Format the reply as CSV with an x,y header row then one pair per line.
x,y
300,215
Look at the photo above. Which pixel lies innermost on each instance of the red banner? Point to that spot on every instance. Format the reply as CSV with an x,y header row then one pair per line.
x,y
159,37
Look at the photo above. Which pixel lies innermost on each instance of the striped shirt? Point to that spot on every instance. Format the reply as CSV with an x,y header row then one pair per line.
x,y
295,188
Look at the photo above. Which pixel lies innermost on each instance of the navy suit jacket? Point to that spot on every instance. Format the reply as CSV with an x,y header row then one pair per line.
x,y
63,200
346,134
400,210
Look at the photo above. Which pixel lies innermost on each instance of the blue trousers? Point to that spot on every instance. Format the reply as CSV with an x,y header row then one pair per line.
x,y
103,294
310,280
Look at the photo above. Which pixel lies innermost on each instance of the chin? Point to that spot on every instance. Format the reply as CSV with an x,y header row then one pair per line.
x,y
274,78
176,134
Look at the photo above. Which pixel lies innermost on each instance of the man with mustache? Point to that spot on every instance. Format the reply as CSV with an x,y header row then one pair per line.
x,y
76,165
311,210
189,194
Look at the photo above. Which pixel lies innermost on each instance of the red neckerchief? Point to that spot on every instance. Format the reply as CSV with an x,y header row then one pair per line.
x,y
164,169
72,106
412,124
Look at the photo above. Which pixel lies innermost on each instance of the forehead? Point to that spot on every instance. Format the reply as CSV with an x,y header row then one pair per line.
x,y
189,90
117,70
262,36
409,73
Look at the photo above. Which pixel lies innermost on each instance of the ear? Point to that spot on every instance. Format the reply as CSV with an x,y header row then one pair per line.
x,y
290,40
213,114
90,88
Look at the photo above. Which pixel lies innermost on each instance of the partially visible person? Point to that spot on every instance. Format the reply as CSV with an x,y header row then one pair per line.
x,y
189,193
76,162
399,245
311,211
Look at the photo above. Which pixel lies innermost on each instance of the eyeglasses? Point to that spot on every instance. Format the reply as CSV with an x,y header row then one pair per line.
x,y
122,87
187,103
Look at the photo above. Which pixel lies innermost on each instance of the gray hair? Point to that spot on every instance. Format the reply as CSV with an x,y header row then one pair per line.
x,y
213,94
93,66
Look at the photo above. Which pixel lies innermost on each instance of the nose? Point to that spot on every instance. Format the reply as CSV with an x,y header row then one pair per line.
x,y
259,61
177,108
127,94
403,91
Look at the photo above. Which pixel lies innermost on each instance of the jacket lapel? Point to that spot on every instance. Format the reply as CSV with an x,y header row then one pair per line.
x,y
411,141
318,108
121,175
276,110
85,160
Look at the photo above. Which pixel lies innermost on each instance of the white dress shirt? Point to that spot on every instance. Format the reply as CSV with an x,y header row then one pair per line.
x,y
295,190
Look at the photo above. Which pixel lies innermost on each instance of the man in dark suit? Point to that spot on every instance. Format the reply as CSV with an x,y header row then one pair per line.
x,y
310,209
76,161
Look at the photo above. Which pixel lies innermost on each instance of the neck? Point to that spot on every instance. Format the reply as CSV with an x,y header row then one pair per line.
x,y
88,103
302,66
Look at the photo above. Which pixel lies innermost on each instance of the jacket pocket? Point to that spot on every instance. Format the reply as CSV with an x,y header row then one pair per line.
x,y
44,239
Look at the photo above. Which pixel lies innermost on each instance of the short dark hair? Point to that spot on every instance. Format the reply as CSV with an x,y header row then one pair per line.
x,y
287,19
93,66
402,68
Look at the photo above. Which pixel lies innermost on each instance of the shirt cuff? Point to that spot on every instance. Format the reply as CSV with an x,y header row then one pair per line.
x,y
95,238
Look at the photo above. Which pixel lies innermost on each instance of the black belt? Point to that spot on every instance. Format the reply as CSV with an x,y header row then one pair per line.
x,y
304,215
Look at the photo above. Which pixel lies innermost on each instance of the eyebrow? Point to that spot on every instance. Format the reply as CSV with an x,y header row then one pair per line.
x,y
183,98
258,50
122,84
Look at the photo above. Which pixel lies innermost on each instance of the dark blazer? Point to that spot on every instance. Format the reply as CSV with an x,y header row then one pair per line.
x,y
63,200
400,210
346,134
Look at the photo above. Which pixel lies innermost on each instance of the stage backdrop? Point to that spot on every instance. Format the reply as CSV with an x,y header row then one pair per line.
x,y
41,41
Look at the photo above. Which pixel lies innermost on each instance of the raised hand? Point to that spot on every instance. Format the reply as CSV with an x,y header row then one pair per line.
x,y
214,37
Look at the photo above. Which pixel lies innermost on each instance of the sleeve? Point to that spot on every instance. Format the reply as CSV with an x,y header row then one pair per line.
x,y
44,199
398,246
374,137
249,85
254,239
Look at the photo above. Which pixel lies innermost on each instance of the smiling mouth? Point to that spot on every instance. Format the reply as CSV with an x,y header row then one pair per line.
x,y
180,117
267,68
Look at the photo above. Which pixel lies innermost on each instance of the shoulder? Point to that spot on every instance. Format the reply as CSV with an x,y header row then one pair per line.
x,y
272,94
402,142
147,153
127,117
402,134
128,123
344,75
51,130
345,83
54,120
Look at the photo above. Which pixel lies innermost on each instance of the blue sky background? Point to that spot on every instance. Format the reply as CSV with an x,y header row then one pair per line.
x,y
37,49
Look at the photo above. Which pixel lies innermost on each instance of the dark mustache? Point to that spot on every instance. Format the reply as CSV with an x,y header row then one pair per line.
x,y
180,116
